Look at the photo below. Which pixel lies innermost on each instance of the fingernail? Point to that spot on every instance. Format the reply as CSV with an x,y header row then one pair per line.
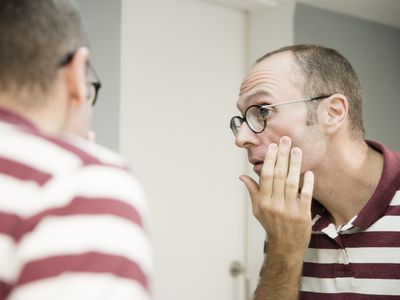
x,y
285,140
296,152
273,147
309,174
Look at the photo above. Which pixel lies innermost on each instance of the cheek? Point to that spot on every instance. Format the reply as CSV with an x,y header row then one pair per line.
x,y
287,122
311,159
292,128
314,148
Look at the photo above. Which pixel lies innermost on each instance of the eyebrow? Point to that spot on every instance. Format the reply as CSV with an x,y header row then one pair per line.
x,y
256,96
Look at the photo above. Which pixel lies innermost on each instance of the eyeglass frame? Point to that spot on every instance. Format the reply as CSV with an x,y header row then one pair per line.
x,y
243,119
96,84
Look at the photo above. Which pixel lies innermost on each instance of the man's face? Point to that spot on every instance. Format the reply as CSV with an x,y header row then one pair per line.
x,y
275,80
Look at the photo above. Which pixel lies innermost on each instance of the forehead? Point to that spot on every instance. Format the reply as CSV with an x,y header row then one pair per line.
x,y
274,78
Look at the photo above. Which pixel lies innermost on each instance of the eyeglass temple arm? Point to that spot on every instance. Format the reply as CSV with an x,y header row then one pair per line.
x,y
296,101
94,73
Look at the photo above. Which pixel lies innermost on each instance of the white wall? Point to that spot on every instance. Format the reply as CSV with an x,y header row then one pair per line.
x,y
270,29
182,64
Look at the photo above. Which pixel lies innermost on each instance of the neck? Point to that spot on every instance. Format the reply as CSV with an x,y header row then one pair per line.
x,y
345,182
47,118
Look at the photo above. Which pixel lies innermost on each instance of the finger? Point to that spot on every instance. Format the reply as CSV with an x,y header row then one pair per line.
x,y
292,181
307,191
268,169
91,136
281,168
252,187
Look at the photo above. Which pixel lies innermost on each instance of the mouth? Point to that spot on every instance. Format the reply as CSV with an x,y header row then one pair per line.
x,y
257,166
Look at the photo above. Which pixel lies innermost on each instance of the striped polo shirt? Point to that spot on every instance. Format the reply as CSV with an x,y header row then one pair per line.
x,y
361,259
72,219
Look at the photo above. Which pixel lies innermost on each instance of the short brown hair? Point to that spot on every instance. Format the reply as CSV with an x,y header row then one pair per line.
x,y
35,35
325,71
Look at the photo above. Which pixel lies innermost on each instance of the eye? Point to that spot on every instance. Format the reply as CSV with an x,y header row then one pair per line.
x,y
263,112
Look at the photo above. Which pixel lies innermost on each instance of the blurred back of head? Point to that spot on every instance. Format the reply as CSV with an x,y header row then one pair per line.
x,y
35,36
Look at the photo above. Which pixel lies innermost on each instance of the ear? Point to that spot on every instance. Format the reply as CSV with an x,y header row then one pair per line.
x,y
75,74
334,113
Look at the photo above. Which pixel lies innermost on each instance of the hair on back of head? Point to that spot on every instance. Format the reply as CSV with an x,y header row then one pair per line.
x,y
35,35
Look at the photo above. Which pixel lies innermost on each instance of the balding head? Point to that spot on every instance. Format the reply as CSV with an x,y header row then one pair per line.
x,y
324,71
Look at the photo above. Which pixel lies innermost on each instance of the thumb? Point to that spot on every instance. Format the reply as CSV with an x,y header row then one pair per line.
x,y
251,186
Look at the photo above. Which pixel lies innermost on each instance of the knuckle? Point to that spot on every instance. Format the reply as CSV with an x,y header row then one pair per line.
x,y
306,195
270,158
280,174
264,207
276,210
291,184
267,174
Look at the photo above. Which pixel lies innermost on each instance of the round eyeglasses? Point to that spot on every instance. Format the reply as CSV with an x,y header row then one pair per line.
x,y
255,116
94,85
93,91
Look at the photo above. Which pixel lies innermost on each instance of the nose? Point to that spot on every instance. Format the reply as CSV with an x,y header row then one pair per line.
x,y
245,137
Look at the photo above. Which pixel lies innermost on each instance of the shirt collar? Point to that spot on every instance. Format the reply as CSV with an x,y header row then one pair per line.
x,y
11,117
377,205
388,185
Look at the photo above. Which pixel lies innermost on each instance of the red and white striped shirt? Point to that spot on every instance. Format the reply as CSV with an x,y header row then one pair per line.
x,y
361,259
72,219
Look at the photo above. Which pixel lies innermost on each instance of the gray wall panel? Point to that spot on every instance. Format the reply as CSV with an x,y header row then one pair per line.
x,y
373,50
103,22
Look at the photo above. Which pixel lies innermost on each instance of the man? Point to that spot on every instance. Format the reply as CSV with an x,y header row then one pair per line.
x,y
72,217
328,200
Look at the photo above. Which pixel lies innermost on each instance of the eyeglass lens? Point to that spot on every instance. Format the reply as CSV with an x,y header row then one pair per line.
x,y
236,122
93,84
91,93
256,118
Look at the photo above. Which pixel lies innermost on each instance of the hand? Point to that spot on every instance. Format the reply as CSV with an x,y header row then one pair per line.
x,y
284,214
91,136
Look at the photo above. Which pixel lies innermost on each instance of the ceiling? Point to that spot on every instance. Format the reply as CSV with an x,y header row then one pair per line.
x,y
382,11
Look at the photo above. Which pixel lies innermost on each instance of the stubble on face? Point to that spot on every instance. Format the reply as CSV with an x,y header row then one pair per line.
x,y
281,79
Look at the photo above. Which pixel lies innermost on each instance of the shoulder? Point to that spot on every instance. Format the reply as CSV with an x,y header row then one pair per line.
x,y
90,152
51,154
64,168
102,177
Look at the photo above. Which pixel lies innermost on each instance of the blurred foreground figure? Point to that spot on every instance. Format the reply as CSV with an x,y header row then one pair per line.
x,y
72,217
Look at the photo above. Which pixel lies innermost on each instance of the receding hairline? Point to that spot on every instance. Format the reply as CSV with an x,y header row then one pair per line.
x,y
296,74
326,70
